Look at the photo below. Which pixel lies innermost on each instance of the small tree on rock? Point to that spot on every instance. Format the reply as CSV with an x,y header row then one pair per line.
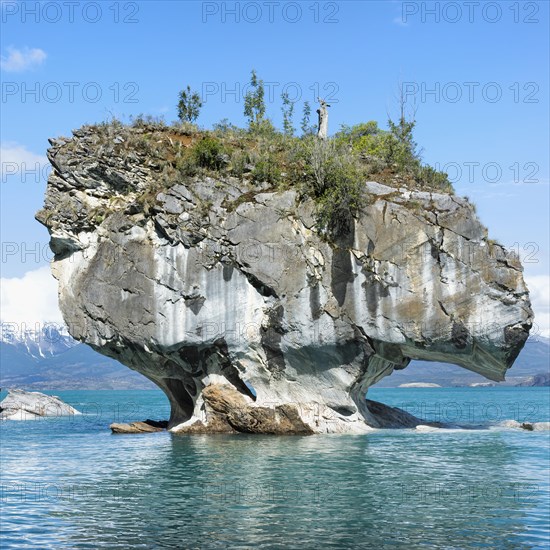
x,y
306,114
288,113
254,104
189,105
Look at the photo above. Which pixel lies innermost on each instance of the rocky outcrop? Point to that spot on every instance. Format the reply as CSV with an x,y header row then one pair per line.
x,y
226,296
24,405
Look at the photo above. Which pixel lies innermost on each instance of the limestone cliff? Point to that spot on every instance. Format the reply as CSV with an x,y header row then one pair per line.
x,y
214,282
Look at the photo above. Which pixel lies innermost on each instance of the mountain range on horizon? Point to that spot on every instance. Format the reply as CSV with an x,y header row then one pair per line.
x,y
48,358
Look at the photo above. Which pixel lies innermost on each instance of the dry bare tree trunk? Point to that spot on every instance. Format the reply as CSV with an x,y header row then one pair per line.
x,y
322,132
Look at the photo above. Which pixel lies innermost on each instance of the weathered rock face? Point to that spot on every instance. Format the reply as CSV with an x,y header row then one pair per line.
x,y
214,284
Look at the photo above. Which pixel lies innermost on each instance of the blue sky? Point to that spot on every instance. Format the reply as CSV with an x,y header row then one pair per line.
x,y
485,63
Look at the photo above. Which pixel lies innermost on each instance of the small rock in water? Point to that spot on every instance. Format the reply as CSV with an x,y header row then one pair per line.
x,y
147,426
25,405
527,426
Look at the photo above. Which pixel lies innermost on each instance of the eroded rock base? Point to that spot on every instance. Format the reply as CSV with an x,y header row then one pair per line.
x,y
226,411
384,416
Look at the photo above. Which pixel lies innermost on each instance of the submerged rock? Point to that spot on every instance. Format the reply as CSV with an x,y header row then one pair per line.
x,y
527,426
147,426
24,405
227,297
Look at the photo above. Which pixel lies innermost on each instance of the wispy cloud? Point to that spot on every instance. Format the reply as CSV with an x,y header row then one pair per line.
x,y
18,61
17,159
539,292
30,299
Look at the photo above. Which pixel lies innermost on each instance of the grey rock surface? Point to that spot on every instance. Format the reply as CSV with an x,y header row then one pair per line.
x,y
24,405
217,282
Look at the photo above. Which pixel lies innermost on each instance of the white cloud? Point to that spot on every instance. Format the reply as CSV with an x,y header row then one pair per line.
x,y
30,299
17,159
539,292
18,61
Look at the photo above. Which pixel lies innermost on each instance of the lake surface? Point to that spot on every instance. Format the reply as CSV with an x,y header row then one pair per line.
x,y
70,483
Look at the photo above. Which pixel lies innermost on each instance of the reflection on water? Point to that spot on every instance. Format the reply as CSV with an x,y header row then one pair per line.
x,y
71,484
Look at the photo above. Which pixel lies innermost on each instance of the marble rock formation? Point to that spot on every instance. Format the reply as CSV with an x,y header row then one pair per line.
x,y
229,300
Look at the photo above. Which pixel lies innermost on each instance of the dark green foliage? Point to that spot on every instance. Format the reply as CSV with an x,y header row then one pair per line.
x,y
433,179
401,147
267,170
339,205
336,182
207,153
189,105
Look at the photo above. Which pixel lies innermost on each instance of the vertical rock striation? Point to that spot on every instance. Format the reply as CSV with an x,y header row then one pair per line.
x,y
228,299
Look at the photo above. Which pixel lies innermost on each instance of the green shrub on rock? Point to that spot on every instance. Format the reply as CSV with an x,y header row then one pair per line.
x,y
209,153
266,169
336,182
433,179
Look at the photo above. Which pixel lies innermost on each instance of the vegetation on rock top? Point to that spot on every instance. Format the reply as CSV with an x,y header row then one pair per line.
x,y
332,172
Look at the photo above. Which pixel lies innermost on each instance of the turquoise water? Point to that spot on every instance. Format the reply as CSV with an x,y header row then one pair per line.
x,y
70,483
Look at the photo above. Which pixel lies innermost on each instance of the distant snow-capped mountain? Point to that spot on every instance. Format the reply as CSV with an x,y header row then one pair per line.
x,y
46,357
40,341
